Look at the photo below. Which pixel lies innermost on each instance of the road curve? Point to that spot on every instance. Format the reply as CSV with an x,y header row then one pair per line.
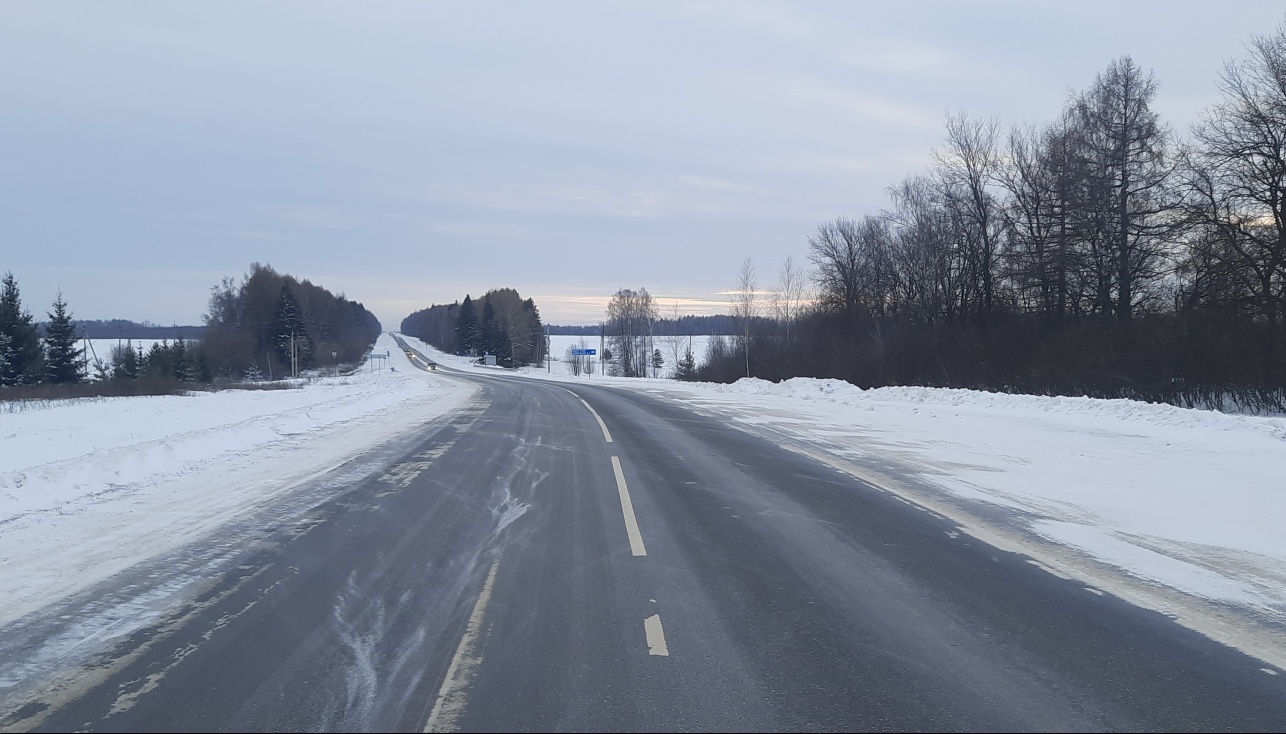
x,y
587,558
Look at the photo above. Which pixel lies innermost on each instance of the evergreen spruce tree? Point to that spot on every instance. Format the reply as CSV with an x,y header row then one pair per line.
x,y
201,365
466,328
180,361
23,358
125,361
687,367
489,332
63,358
289,324
5,341
253,374
535,331
156,363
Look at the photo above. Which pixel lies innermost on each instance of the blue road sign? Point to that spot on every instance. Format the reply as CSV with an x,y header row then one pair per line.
x,y
584,352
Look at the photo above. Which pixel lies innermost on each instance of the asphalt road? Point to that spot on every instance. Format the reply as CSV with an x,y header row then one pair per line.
x,y
517,570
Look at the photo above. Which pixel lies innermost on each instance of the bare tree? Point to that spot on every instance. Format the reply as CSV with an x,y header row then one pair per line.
x,y
1042,175
631,315
223,304
744,306
787,300
1236,178
672,341
837,257
578,363
1131,146
968,168
923,252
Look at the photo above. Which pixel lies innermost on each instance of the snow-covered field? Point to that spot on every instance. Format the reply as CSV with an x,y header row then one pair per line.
x,y
91,487
1138,500
559,343
101,349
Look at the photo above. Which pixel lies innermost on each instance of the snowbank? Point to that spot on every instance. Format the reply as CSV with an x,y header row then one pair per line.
x,y
1125,481
90,487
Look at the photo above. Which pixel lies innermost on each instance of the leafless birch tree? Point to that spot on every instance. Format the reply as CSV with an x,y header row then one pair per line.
x,y
744,306
631,316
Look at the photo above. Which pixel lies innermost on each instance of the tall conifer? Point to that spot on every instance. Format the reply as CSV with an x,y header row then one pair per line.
x,y
466,329
288,324
125,362
64,363
24,360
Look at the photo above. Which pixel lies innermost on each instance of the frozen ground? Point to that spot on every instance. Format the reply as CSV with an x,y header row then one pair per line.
x,y
91,487
1140,500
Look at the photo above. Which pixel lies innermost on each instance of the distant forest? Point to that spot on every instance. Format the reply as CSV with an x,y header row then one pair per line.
x,y
268,325
721,324
501,323
276,325
124,329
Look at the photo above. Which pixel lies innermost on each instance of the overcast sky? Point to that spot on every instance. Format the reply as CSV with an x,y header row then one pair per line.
x,y
406,154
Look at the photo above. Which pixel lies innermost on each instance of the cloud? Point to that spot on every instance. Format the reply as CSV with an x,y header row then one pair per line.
x,y
317,217
719,184
262,235
905,57
855,102
479,229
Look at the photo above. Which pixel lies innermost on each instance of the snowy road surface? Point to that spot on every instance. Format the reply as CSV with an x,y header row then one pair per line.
x,y
508,553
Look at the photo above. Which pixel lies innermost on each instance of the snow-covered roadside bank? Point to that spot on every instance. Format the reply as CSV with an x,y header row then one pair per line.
x,y
91,487
1136,499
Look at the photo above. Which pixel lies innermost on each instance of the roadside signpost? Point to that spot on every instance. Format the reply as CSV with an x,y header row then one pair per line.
x,y
584,352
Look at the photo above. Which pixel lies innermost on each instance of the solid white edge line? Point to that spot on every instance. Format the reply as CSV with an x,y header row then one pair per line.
x,y
601,424
655,636
627,509
463,664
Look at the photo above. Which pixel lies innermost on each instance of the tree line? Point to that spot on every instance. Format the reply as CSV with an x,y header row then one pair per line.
x,y
269,325
126,329
1099,254
49,355
275,325
500,323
